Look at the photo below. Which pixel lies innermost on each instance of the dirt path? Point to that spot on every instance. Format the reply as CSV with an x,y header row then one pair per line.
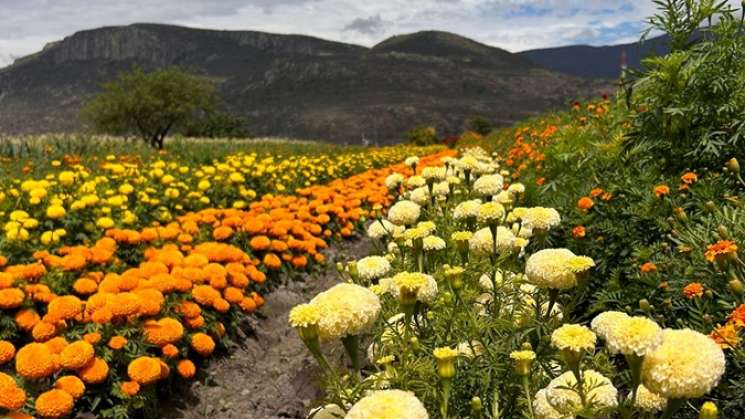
x,y
271,375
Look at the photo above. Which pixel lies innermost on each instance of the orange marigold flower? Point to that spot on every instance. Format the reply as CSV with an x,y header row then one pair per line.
x,y
163,331
585,203
56,344
92,338
203,344
26,319
71,385
248,305
648,267
144,370
85,286
194,322
77,355
205,294
11,298
578,232
661,190
54,404
125,304
188,309
689,178
117,342
272,261
7,351
64,308
35,361
260,243
222,233
186,368
221,305
719,250
95,372
130,388
737,316
693,290
43,331
596,192
726,336
12,397
169,351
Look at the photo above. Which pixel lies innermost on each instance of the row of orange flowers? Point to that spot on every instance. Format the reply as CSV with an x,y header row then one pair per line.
x,y
116,317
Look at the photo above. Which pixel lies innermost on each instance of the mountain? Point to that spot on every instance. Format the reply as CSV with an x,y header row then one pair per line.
x,y
296,86
597,62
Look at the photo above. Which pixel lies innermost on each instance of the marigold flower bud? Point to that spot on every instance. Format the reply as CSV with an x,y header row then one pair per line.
x,y
708,411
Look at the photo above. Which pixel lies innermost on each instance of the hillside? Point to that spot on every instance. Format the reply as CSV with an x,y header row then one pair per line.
x,y
596,62
296,86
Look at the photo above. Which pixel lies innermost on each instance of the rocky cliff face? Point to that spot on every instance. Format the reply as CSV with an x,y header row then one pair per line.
x,y
293,85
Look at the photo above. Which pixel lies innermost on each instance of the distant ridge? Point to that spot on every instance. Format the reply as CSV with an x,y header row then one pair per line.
x,y
292,85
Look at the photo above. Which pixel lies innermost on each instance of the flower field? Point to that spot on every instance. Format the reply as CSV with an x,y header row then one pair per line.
x,y
120,274
583,264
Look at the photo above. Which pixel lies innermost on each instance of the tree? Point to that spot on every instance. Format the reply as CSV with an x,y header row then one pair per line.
x,y
423,135
149,105
479,124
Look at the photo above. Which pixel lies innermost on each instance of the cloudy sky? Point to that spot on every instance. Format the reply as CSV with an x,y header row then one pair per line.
x,y
516,25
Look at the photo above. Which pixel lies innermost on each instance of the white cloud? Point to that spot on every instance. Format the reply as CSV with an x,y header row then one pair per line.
x,y
511,24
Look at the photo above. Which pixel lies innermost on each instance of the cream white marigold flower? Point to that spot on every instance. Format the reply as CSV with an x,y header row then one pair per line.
x,y
488,185
540,218
429,226
481,242
441,189
606,321
346,310
304,315
329,411
686,365
598,389
423,285
470,349
380,228
434,172
647,401
388,404
491,212
467,209
634,336
548,268
420,195
404,213
373,267
415,182
431,243
574,337
394,180
543,409
411,161
461,236
468,163
516,188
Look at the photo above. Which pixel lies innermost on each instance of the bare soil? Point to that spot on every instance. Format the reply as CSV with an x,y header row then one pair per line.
x,y
271,374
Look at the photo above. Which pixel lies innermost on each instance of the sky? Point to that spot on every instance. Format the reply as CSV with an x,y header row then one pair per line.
x,y
515,25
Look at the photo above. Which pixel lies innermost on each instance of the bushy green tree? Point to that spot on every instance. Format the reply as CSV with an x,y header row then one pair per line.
x,y
690,104
479,124
424,135
149,105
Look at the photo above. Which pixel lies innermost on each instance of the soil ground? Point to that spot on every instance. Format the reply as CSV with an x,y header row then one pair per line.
x,y
271,375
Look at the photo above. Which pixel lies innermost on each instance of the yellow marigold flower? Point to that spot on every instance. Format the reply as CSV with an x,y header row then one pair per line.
x,y
573,337
54,404
77,355
55,211
491,212
388,404
144,370
304,315
66,178
676,371
414,286
461,236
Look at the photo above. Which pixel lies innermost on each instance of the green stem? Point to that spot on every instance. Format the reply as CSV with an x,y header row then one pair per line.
x,y
672,406
352,346
526,387
445,398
